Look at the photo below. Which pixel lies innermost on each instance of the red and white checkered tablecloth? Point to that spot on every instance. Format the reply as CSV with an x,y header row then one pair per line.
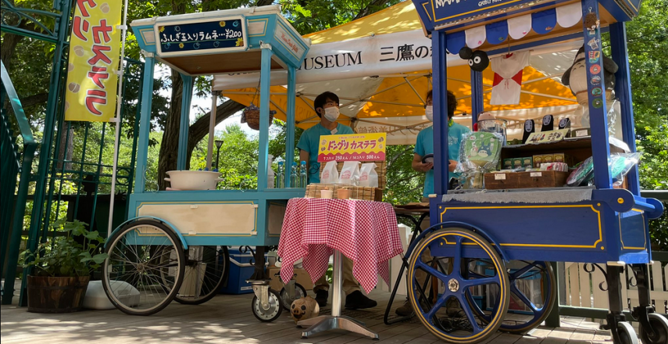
x,y
364,231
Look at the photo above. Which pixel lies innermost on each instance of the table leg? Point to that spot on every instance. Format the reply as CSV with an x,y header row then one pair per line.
x,y
335,321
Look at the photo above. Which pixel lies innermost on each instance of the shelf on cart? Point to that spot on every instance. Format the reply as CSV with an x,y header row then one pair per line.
x,y
579,148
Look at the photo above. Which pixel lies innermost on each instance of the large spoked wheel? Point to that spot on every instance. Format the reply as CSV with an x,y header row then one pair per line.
x,y
439,282
286,300
627,334
144,269
533,291
273,309
659,325
206,269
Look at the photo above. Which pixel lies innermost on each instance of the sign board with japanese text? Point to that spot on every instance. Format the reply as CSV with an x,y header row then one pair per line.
x,y
192,37
448,10
547,136
352,147
93,63
408,51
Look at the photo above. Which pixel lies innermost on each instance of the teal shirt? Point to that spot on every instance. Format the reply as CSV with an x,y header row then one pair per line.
x,y
310,142
425,145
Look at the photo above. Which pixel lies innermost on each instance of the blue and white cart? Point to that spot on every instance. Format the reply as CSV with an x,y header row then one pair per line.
x,y
174,244
481,266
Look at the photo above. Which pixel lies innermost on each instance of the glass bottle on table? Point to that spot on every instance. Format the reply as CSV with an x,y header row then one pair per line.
x,y
302,175
280,176
293,176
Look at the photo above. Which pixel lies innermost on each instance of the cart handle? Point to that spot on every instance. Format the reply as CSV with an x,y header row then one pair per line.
x,y
644,206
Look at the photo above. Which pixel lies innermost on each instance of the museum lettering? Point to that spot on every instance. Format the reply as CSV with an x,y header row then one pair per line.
x,y
331,61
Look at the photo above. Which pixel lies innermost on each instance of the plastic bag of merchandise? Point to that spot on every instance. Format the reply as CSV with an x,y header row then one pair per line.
x,y
368,175
620,164
350,173
479,151
329,175
582,174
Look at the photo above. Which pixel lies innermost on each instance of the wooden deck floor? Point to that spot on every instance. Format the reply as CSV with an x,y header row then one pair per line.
x,y
228,319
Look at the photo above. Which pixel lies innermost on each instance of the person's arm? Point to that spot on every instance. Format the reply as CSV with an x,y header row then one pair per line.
x,y
303,156
419,166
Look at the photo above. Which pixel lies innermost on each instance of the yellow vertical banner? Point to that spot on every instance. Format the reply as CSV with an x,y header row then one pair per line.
x,y
94,52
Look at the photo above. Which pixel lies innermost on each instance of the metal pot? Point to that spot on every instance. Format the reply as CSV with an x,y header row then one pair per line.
x,y
193,180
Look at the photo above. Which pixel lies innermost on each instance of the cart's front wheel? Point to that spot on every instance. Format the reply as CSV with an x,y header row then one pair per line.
x,y
659,325
439,282
144,269
206,270
287,301
627,334
269,312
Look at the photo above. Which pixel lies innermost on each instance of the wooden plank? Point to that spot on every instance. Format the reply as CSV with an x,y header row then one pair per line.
x,y
600,296
529,340
561,333
427,338
580,335
551,340
575,285
585,290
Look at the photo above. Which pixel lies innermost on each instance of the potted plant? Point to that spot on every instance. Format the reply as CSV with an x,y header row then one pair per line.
x,y
62,268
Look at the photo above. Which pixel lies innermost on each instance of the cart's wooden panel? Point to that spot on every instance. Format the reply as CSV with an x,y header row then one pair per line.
x,y
275,217
215,219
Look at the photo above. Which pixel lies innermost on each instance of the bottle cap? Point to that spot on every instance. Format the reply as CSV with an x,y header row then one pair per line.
x,y
303,162
280,163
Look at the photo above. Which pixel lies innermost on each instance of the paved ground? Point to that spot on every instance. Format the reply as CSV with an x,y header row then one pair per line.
x,y
228,319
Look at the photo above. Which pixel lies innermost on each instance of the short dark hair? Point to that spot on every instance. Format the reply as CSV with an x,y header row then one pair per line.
x,y
452,102
322,99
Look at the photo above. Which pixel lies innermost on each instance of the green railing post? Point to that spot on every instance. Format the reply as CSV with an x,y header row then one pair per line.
x,y
61,30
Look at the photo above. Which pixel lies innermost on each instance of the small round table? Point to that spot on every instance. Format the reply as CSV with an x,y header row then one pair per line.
x,y
364,231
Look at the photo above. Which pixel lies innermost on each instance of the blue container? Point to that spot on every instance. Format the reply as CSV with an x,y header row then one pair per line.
x,y
241,270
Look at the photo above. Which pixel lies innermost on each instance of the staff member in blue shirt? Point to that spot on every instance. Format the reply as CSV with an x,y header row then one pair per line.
x,y
327,108
425,145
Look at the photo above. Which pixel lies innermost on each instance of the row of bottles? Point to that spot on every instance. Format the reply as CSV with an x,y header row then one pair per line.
x,y
298,176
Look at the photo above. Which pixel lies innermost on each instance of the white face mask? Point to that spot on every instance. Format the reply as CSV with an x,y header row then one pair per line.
x,y
429,112
332,113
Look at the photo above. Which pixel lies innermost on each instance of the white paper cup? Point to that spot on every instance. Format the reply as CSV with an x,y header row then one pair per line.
x,y
327,194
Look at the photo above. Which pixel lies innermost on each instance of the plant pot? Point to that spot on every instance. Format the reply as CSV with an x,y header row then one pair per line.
x,y
56,294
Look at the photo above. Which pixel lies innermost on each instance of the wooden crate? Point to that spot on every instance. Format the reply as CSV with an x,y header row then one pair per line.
x,y
520,180
356,192
381,169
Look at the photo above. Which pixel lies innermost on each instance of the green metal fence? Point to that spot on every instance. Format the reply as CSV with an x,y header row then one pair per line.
x,y
15,160
72,177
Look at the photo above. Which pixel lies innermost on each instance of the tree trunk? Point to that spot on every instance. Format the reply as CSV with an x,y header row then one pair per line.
x,y
170,138
200,129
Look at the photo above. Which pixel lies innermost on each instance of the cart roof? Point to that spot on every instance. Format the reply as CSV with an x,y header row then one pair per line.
x,y
496,16
223,41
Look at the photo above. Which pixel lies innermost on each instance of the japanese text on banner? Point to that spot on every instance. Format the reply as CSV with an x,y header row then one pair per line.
x,y
94,54
353,147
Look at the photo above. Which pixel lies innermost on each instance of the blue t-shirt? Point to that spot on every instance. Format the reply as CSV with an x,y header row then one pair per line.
x,y
425,145
310,141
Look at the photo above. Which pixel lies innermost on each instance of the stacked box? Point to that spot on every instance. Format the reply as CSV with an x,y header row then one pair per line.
x,y
512,163
356,192
556,157
381,169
